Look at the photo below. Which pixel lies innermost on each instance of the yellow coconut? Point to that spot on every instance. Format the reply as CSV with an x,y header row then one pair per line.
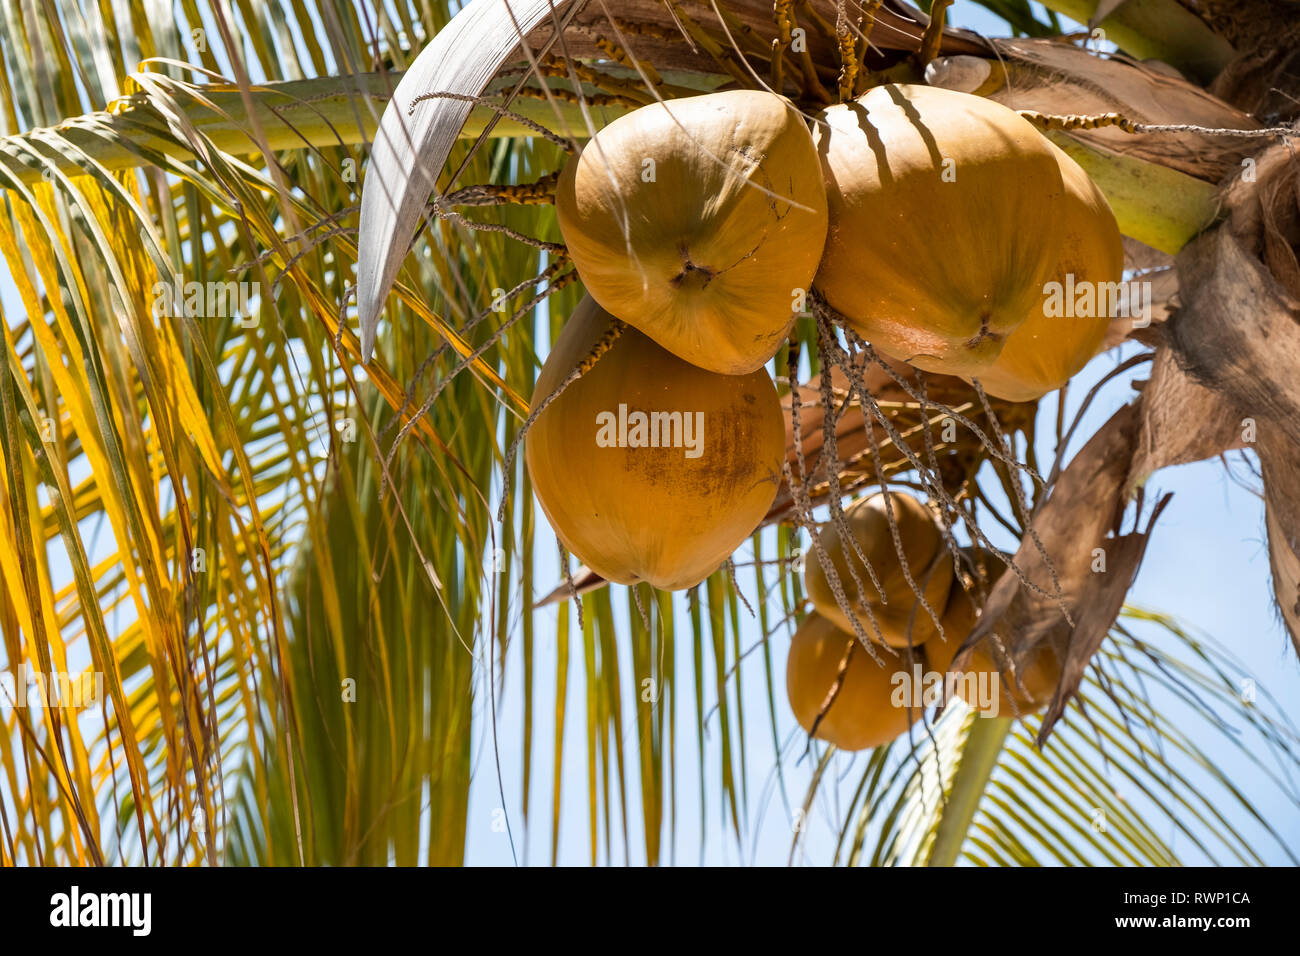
x,y
700,222
989,683
958,621
1066,327
871,706
1007,690
650,468
894,605
944,216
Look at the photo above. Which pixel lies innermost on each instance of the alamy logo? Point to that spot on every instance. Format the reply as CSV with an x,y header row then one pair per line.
x,y
206,300
28,688
923,688
1087,300
75,908
651,430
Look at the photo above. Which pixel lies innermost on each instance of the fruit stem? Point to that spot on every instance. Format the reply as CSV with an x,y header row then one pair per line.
x,y
979,755
869,11
539,193
848,64
933,38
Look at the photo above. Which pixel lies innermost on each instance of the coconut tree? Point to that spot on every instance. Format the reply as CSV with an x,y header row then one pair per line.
x,y
280,282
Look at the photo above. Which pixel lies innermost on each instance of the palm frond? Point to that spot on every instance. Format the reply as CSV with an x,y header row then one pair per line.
x,y
1126,781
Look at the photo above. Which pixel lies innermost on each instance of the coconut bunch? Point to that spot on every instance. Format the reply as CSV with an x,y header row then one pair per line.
x,y
919,611
925,232
695,226
925,222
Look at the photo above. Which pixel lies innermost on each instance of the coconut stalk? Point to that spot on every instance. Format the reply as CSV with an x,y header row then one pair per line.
x,y
318,113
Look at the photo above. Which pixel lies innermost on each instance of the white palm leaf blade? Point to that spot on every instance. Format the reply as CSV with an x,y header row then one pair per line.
x,y
409,151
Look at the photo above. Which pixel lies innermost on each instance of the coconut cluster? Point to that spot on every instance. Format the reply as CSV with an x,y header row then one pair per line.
x,y
699,223
929,221
907,593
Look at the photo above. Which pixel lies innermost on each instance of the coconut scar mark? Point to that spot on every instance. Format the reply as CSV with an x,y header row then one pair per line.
x,y
704,274
983,333
692,272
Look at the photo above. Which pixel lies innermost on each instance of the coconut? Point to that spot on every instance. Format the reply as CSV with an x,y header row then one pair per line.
x,y
648,467
894,606
700,221
958,621
962,610
989,683
1068,324
944,214
864,713
1007,690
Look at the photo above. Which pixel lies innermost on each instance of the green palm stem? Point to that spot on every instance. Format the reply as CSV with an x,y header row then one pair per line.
x,y
979,756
